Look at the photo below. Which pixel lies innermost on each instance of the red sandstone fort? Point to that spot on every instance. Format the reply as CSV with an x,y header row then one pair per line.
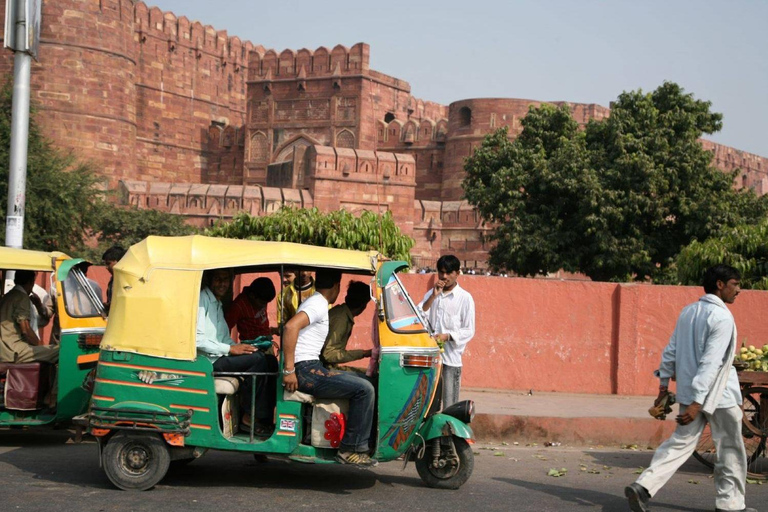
x,y
181,117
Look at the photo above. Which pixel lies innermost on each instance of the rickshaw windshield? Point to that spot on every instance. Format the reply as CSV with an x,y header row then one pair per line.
x,y
80,299
401,313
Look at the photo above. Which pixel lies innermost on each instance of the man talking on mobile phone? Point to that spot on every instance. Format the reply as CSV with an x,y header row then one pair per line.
x,y
450,310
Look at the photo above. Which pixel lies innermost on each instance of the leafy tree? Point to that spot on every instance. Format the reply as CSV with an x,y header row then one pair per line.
x,y
744,247
617,200
65,209
126,226
339,229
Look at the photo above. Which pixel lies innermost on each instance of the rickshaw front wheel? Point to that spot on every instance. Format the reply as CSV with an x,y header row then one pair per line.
x,y
135,461
448,469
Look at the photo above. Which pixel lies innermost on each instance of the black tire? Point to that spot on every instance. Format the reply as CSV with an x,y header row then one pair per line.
x,y
447,478
135,461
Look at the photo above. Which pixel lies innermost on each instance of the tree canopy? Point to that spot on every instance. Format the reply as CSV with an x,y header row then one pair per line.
x,y
616,200
744,247
66,209
340,229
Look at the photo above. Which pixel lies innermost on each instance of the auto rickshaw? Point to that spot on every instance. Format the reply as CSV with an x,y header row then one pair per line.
x,y
156,401
81,320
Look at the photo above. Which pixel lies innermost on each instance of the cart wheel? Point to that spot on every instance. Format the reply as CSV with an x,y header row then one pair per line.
x,y
447,475
135,461
756,429
754,443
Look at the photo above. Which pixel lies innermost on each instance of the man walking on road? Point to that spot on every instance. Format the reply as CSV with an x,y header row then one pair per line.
x,y
700,355
451,314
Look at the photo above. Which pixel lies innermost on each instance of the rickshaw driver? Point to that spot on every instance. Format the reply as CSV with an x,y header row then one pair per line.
x,y
303,339
214,342
18,342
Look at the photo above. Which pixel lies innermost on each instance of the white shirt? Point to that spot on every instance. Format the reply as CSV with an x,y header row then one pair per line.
x,y
312,337
452,313
698,349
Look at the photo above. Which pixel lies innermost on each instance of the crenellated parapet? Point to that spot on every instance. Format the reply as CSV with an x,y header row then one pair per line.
x,y
203,203
304,63
362,166
181,34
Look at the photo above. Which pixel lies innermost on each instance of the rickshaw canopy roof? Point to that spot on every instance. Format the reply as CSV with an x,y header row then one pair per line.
x,y
157,283
198,252
24,259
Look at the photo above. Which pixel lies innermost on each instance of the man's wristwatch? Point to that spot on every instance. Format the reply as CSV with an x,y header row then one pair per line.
x,y
289,372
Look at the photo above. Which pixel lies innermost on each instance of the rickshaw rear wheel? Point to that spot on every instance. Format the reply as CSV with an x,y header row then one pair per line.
x,y
135,461
448,476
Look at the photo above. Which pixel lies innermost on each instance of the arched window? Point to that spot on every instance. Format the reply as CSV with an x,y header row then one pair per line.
x,y
465,116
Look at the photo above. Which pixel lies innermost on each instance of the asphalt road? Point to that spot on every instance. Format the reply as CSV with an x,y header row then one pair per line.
x,y
46,471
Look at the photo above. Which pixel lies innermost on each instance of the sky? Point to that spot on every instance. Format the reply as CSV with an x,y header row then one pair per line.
x,y
582,51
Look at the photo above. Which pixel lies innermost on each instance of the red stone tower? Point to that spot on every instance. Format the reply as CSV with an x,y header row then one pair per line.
x,y
84,83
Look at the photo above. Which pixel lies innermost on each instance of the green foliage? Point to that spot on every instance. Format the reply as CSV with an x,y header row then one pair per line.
x,y
744,247
65,208
60,192
339,229
126,226
617,200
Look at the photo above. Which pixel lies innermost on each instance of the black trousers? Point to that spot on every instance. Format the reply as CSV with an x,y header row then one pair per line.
x,y
266,392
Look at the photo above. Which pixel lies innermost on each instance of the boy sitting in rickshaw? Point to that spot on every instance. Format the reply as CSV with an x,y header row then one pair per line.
x,y
214,342
341,320
303,339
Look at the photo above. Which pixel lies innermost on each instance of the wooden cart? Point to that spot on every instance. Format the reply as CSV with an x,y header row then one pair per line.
x,y
754,390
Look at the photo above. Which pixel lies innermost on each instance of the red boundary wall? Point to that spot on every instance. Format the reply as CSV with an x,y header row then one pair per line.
x,y
564,336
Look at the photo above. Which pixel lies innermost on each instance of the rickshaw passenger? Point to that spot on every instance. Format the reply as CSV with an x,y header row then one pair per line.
x,y
249,310
213,341
299,290
341,320
18,341
303,339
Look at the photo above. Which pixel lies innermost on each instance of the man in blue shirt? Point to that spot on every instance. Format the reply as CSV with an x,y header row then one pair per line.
x,y
214,342
700,356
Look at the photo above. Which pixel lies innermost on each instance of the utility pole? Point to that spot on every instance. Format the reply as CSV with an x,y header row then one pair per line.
x,y
22,35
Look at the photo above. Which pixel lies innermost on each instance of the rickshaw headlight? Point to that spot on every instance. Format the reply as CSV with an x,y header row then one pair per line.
x,y
463,411
419,360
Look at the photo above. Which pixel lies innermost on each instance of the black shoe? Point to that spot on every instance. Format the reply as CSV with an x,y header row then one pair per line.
x,y
638,497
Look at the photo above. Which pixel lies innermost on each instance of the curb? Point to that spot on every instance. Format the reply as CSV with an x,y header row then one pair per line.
x,y
577,431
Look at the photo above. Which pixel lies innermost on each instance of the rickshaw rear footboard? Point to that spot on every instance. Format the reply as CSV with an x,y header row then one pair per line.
x,y
108,419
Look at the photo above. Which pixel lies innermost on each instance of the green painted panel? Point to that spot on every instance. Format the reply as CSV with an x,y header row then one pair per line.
x,y
435,424
65,266
387,269
134,380
403,395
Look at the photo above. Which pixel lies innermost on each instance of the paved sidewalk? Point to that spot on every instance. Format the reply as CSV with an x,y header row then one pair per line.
x,y
566,418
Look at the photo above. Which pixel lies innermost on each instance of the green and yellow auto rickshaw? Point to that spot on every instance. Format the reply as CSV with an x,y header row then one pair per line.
x,y
156,401
80,321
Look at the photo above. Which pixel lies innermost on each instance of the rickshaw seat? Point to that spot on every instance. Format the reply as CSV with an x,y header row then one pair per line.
x,y
22,385
298,396
226,385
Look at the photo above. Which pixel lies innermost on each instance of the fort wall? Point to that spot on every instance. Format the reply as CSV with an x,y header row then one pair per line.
x,y
188,119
